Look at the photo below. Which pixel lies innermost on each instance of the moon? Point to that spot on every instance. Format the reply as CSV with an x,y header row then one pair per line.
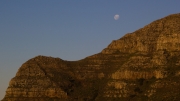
x,y
116,17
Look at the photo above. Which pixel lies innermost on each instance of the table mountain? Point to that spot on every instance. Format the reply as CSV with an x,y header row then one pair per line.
x,y
140,66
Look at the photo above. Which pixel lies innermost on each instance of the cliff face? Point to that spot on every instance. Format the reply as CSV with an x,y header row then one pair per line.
x,y
141,66
160,34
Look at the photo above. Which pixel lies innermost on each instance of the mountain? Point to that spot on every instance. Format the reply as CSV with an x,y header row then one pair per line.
x,y
140,66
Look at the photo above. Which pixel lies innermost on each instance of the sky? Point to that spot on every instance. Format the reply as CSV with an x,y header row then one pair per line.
x,y
68,29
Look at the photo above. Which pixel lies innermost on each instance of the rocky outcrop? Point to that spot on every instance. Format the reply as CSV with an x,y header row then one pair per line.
x,y
160,34
141,66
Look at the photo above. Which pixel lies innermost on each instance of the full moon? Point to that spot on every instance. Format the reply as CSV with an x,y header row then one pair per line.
x,y
116,17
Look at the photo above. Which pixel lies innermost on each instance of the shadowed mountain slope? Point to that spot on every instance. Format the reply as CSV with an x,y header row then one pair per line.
x,y
140,66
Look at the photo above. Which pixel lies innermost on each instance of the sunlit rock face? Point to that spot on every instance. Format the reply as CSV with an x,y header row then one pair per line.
x,y
160,34
140,66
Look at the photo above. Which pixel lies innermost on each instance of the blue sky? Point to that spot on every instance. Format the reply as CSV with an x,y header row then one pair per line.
x,y
68,29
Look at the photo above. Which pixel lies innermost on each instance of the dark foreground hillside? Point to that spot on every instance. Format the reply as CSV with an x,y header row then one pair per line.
x,y
140,66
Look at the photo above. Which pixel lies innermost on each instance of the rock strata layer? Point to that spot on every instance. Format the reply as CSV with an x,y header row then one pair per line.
x,y
141,66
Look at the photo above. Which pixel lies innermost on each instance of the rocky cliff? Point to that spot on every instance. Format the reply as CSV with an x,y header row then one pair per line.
x,y
141,66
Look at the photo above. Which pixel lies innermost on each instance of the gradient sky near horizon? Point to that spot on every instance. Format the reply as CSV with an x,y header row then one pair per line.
x,y
68,29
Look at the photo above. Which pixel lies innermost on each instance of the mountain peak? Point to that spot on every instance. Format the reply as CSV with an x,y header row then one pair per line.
x,y
160,34
140,66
